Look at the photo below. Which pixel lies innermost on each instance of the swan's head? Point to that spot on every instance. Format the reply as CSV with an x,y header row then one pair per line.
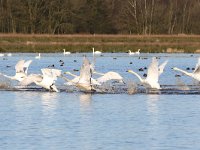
x,y
130,71
175,68
67,72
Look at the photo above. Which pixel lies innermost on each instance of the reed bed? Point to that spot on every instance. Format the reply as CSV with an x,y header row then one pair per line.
x,y
105,43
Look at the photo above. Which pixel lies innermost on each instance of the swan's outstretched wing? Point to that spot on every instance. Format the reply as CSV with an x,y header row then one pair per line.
x,y
31,79
46,72
56,73
162,66
109,76
85,72
19,67
26,65
152,73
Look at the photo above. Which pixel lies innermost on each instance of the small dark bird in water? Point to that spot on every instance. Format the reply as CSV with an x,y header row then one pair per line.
x,y
191,55
114,58
177,75
62,64
61,61
51,66
101,55
75,70
8,66
75,60
193,68
130,63
145,68
187,68
144,75
141,69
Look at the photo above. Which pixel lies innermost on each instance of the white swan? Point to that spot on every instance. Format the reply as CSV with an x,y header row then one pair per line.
x,y
131,53
66,53
9,54
21,69
138,52
152,75
46,80
85,79
1,54
111,75
134,53
38,57
96,52
76,79
195,74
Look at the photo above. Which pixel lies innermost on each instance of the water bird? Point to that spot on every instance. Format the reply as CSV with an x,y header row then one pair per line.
x,y
21,70
51,66
152,75
144,75
75,70
96,52
38,57
195,74
1,54
111,75
141,69
75,60
46,80
134,53
66,53
85,79
131,63
9,54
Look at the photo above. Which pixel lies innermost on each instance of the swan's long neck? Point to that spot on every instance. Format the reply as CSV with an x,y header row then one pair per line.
x,y
10,77
129,51
66,79
72,74
183,71
137,75
99,73
93,50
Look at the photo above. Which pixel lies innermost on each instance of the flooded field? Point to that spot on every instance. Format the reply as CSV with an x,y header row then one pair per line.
x,y
168,119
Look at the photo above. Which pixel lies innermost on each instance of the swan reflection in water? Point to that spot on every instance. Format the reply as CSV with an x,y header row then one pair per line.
x,y
49,101
85,100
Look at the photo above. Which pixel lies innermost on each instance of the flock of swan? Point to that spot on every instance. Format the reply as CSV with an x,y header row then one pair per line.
x,y
85,81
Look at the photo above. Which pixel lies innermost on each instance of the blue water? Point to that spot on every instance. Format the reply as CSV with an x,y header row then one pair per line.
x,y
44,120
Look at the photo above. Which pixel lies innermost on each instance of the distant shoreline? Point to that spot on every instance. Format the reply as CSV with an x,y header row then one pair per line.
x,y
46,43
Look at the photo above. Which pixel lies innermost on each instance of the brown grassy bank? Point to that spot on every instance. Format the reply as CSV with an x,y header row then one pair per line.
x,y
105,43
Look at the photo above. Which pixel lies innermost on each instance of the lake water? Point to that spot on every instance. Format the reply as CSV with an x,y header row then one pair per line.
x,y
76,120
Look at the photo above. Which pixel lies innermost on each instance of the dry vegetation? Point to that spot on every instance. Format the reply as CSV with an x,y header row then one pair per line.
x,y
105,43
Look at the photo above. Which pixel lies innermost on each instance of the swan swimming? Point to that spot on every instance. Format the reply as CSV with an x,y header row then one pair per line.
x,y
66,53
152,75
96,52
21,69
195,74
38,57
46,80
134,53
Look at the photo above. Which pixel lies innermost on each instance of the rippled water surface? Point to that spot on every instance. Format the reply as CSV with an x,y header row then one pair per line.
x,y
44,120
